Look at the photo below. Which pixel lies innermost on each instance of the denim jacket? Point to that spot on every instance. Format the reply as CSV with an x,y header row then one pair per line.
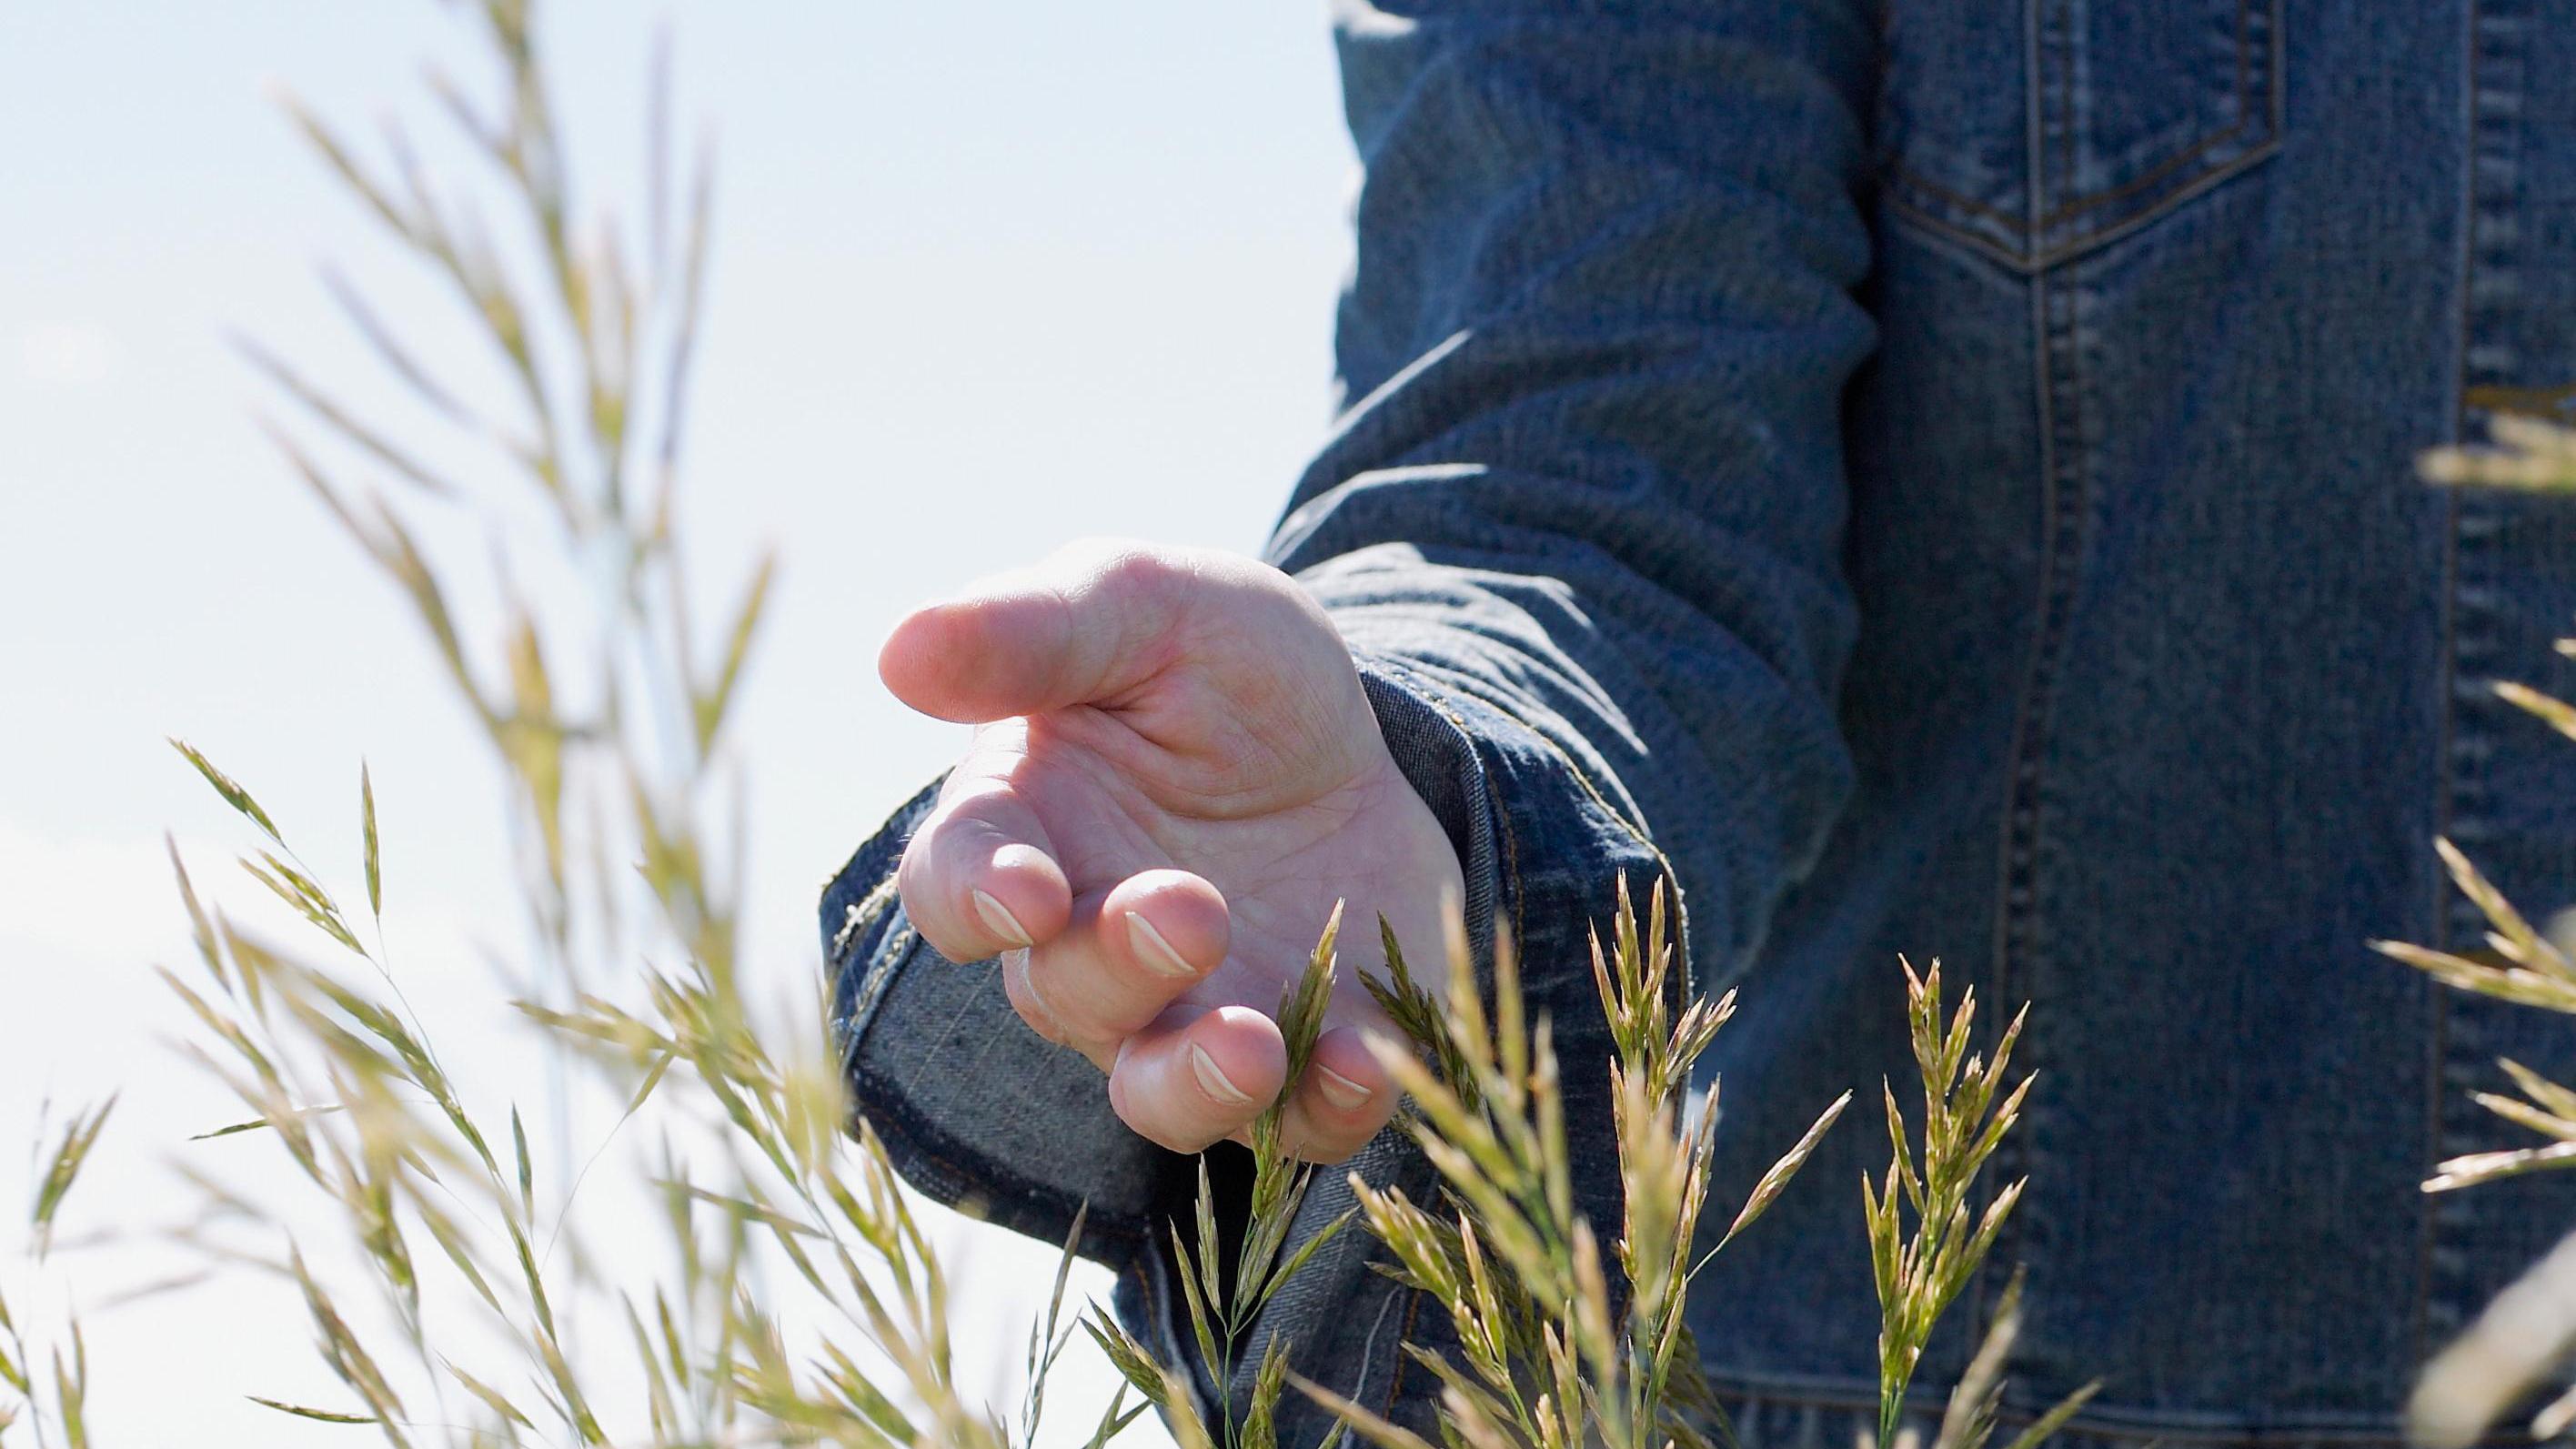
x,y
1936,477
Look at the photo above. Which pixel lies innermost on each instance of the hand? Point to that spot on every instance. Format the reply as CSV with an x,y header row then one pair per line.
x,y
1174,777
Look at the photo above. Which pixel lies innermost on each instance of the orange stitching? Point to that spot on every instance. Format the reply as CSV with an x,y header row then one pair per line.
x,y
2076,205
1403,1360
2158,173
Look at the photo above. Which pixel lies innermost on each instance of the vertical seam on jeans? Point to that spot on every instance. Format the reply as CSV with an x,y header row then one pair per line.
x,y
2066,27
2044,409
2071,517
1403,1360
2437,998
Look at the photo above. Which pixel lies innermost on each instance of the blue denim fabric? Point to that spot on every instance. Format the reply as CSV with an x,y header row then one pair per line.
x,y
1936,478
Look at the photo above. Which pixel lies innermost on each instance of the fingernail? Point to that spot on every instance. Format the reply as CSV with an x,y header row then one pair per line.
x,y
1213,1082
1340,1090
1017,962
1153,950
999,920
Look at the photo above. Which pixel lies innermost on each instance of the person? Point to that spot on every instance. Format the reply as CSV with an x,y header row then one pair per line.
x,y
1934,478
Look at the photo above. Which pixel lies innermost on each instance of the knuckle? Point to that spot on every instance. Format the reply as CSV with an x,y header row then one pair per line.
x,y
1065,1026
1135,576
1034,1019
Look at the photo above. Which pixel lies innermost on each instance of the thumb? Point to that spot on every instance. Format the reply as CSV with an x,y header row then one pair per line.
x,y
1083,627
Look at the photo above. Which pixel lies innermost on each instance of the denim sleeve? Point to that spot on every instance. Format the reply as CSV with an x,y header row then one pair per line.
x,y
1581,529
1583,525
1599,330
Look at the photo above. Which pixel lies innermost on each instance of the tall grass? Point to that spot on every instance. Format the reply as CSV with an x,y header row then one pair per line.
x,y
605,711
1555,1354
796,1299
52,1391
605,705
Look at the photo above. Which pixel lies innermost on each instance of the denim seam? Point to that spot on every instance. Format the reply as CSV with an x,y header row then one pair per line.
x,y
1689,982
2017,937
2005,868
2075,513
2033,264
2494,61
859,917
2436,999
892,955
1897,170
1485,694
1634,829
2066,121
1403,1360
2032,252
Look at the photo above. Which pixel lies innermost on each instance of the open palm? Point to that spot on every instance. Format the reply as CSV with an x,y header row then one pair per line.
x,y
1174,777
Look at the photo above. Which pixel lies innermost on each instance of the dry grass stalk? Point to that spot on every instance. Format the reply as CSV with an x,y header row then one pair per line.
x,y
1967,1111
2524,451
51,1404
1551,1354
608,724
610,733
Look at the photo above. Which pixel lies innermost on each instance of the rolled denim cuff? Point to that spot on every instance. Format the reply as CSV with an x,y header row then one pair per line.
x,y
975,1109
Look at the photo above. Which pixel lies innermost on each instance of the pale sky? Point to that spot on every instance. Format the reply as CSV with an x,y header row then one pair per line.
x,y
988,276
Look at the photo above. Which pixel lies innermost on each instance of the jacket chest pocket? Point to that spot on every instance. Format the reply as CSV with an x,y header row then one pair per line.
x,y
2036,132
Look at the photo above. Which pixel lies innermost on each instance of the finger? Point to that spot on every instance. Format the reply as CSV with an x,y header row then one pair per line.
x,y
1342,1100
1034,1008
1076,629
1197,1076
980,878
1128,953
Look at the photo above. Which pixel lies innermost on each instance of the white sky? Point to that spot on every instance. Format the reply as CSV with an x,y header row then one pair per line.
x,y
988,276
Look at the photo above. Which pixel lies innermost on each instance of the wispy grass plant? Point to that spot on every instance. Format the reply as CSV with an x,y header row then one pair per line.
x,y
48,1393
1926,1243
1563,1341
789,1295
801,1301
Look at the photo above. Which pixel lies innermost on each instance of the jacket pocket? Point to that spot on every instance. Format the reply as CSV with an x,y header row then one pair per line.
x,y
2038,132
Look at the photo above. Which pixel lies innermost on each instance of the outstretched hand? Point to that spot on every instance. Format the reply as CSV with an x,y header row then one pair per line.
x,y
1173,778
